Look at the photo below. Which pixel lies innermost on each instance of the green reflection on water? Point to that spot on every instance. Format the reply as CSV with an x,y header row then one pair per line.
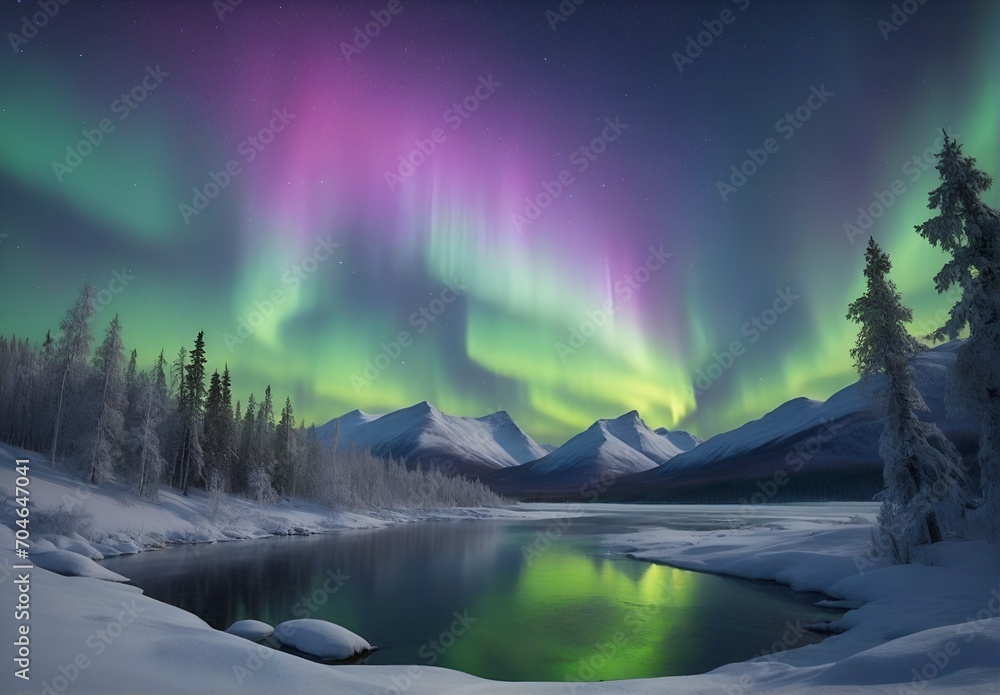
x,y
603,619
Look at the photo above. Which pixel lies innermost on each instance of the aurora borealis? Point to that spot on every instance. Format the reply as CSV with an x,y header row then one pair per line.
x,y
467,207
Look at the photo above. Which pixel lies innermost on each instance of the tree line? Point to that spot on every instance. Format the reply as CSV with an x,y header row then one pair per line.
x,y
95,412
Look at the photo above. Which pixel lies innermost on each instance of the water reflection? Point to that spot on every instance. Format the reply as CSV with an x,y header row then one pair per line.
x,y
568,612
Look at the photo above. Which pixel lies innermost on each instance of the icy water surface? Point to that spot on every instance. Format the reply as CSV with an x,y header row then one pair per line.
x,y
497,599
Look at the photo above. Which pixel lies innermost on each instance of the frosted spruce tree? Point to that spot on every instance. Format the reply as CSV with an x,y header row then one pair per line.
x,y
143,438
106,452
924,495
286,451
262,462
969,230
191,408
71,353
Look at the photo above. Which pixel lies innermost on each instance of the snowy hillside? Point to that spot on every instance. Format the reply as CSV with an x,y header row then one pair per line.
x,y
422,433
802,415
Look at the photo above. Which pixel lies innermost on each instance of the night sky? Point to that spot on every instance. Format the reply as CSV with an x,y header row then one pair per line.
x,y
487,291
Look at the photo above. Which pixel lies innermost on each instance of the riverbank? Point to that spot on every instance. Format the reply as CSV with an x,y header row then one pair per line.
x,y
111,518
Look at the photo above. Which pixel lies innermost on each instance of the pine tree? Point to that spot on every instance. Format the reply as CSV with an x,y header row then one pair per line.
x,y
143,438
969,230
106,455
261,471
71,352
285,451
227,438
246,453
924,496
190,458
218,433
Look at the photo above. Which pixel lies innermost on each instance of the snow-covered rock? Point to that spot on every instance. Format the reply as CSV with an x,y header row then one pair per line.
x,y
74,565
320,638
253,630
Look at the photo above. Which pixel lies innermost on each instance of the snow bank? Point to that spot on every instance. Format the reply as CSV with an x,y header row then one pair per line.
x,y
72,564
321,639
253,630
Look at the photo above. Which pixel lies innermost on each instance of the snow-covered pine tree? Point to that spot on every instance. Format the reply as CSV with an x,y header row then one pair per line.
x,y
227,437
261,472
213,446
105,449
131,388
191,461
285,451
246,454
143,438
925,494
71,353
969,230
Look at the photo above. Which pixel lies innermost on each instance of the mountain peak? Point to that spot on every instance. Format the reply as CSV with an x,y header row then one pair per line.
x,y
499,417
422,407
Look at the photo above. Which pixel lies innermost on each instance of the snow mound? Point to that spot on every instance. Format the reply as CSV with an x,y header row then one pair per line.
x,y
74,545
253,630
921,657
321,639
74,565
42,545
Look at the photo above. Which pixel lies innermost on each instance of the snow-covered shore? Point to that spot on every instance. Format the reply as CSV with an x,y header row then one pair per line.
x,y
918,629
113,517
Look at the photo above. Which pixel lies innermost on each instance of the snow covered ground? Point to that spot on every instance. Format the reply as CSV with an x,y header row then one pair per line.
x,y
120,522
916,629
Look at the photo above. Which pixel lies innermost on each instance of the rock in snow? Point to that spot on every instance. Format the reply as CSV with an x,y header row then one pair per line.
x,y
321,639
253,630
74,565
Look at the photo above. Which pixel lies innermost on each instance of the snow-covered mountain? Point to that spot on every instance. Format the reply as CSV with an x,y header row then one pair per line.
x,y
803,441
618,447
801,415
423,434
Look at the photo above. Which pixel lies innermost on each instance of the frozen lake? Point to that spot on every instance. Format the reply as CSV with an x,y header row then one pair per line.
x,y
508,600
